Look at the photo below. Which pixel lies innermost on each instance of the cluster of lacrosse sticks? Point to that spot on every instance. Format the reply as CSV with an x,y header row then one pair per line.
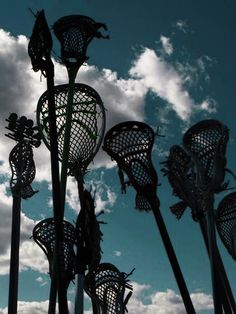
x,y
71,123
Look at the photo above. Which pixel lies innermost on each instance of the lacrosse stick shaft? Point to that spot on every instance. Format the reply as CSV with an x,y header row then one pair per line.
x,y
212,245
14,260
79,297
227,296
52,297
173,260
66,146
56,281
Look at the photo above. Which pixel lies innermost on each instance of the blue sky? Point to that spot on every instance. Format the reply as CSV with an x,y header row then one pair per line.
x,y
169,64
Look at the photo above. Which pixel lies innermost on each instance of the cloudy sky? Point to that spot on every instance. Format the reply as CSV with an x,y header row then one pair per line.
x,y
167,63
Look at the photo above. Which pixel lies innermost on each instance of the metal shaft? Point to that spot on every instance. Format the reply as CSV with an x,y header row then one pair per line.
x,y
66,146
212,246
57,280
173,259
14,259
79,297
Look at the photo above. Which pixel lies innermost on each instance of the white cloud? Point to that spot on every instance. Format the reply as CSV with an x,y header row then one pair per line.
x,y
163,79
104,196
181,25
25,307
166,44
117,253
42,282
164,302
202,301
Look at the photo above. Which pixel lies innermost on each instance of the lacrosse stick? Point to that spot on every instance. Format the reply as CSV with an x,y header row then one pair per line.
x,y
74,32
87,129
87,126
181,176
130,145
106,286
44,236
88,237
23,173
206,144
39,49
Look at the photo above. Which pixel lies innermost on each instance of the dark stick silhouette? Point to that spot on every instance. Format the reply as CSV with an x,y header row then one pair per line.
x,y
23,173
88,238
44,235
106,286
39,49
86,132
74,32
195,176
130,145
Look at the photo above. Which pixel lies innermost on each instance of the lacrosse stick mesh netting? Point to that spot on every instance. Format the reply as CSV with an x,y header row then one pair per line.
x,y
226,223
106,286
206,143
44,236
23,168
130,145
87,127
75,33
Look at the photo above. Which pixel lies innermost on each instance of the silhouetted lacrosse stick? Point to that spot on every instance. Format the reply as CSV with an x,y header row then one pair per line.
x,y
130,145
106,286
86,132
179,169
88,237
226,222
87,125
206,144
44,236
39,49
88,234
74,32
23,173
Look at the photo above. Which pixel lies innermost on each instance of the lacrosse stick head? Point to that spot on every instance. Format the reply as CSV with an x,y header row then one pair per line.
x,y
106,286
130,145
22,129
179,171
88,235
23,169
226,223
87,126
40,44
75,33
206,143
44,236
